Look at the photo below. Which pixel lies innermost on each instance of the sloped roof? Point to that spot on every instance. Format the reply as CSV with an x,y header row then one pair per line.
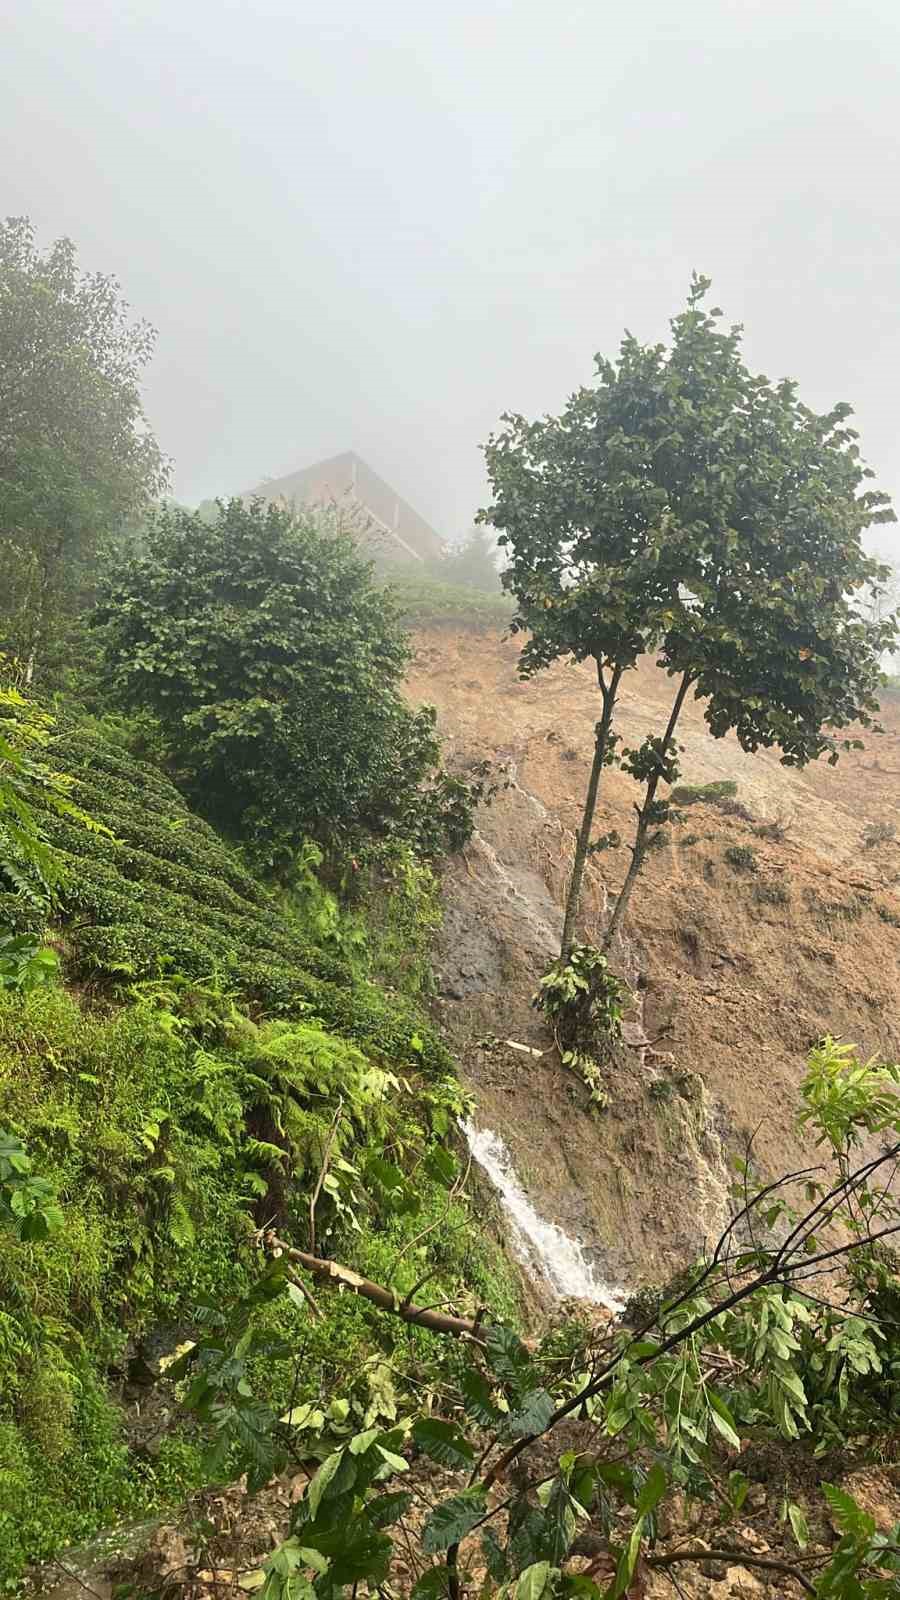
x,y
348,475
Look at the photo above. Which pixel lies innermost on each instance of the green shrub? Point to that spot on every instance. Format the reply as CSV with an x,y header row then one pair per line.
x,y
836,911
273,666
691,794
877,833
742,857
432,601
772,894
163,1126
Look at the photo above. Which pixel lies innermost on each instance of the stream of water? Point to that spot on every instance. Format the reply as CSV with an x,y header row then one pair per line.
x,y
542,1246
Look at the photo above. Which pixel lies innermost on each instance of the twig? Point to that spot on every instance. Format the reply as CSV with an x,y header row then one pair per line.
x,y
417,1238
743,1558
297,1281
55,1562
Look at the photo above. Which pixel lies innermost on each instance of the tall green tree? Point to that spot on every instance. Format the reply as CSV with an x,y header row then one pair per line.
x,y
77,457
274,666
687,506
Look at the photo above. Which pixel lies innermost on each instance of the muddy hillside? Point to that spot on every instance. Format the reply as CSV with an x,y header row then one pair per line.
x,y
756,929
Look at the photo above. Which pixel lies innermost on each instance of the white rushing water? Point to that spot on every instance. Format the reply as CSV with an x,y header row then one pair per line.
x,y
540,1245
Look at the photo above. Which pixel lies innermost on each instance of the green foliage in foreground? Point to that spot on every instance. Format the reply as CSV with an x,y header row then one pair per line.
x,y
218,1035
744,1350
167,1131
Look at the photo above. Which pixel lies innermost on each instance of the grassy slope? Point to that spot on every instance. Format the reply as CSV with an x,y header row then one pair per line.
x,y
425,599
199,1019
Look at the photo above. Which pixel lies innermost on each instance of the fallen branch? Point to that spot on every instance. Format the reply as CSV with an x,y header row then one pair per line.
x,y
740,1558
345,1278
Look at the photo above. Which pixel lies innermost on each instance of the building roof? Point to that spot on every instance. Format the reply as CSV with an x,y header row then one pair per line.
x,y
347,476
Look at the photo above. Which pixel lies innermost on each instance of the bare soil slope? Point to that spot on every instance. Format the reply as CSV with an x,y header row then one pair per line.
x,y
737,971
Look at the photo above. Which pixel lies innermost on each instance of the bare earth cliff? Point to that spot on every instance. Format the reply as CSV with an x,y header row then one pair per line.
x,y
737,970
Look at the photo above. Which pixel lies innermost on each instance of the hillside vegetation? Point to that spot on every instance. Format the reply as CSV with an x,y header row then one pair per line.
x,y
247,1277
209,1039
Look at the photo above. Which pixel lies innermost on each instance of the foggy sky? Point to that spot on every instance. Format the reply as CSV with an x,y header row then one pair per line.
x,y
376,224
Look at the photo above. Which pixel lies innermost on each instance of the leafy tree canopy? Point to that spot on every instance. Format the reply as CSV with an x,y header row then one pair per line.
x,y
686,505
274,665
77,457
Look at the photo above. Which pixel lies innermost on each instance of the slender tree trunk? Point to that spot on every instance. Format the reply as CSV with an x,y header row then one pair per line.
x,y
639,848
601,746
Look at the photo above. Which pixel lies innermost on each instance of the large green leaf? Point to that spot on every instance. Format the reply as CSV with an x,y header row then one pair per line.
x,y
533,1581
654,1487
386,1509
478,1400
327,1475
453,1519
532,1416
442,1442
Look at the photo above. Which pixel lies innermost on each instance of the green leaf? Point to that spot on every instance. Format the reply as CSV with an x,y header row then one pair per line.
x,y
296,1297
723,1420
319,1485
361,1441
303,1417
532,1416
479,1402
628,1561
654,1487
494,1556
507,1354
450,1521
442,1442
799,1524
533,1581
849,1517
434,1584
739,1488
386,1509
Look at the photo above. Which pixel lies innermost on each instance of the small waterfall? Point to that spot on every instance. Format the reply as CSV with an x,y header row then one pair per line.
x,y
542,1246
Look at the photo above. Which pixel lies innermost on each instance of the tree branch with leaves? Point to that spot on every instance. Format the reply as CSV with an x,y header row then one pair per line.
x,y
748,1346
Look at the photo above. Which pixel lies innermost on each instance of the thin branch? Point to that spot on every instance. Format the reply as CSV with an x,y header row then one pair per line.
x,y
452,1193
297,1281
743,1558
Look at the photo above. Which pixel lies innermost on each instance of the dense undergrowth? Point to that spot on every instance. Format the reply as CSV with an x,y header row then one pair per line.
x,y
212,1041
